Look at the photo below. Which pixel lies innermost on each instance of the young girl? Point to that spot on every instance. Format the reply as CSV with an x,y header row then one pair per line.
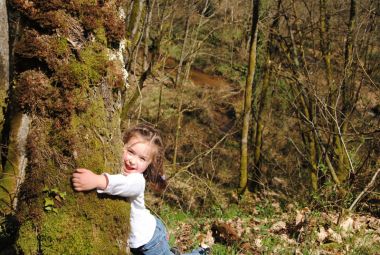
x,y
143,155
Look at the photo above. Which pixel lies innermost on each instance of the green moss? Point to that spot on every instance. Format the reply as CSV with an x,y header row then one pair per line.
x,y
91,67
29,241
64,234
79,127
91,229
100,35
93,146
62,46
85,223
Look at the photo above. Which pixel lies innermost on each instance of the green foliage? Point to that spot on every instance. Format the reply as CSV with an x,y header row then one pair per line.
x,y
173,216
265,210
219,249
323,168
232,211
270,242
54,199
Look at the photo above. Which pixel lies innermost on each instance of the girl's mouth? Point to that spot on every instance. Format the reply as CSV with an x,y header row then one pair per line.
x,y
128,168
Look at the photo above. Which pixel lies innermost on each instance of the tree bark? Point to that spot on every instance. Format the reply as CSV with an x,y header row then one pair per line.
x,y
348,91
4,64
264,98
248,100
68,91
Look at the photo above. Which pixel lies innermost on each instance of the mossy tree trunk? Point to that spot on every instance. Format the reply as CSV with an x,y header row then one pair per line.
x,y
69,79
4,85
134,31
325,46
258,129
344,166
4,60
248,100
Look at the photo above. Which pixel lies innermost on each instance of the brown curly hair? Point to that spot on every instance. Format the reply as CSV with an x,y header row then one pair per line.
x,y
155,171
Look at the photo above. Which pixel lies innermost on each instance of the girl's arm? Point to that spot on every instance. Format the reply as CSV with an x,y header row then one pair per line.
x,y
84,179
130,185
117,184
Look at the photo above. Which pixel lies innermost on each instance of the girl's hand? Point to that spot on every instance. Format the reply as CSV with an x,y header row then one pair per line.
x,y
84,179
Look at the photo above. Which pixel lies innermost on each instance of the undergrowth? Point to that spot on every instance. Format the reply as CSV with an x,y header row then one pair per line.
x,y
262,226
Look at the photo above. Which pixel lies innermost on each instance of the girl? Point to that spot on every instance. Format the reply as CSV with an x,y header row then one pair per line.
x,y
143,155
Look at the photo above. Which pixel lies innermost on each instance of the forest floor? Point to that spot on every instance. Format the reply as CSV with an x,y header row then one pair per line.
x,y
200,204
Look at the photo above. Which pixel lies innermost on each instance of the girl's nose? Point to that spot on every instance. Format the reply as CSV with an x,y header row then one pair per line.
x,y
131,161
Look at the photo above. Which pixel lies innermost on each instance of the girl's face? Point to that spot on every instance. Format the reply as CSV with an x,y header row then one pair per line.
x,y
137,155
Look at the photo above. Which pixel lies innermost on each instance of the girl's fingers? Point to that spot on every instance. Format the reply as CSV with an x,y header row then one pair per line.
x,y
80,170
77,187
76,175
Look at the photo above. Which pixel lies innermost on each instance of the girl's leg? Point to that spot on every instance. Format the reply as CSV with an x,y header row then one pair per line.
x,y
158,245
199,251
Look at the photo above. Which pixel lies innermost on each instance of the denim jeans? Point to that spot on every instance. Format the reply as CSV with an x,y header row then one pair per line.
x,y
159,245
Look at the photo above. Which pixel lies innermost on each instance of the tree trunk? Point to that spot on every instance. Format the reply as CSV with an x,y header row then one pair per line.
x,y
4,85
264,98
183,52
248,100
147,65
325,41
348,91
179,83
148,21
68,97
4,61
133,31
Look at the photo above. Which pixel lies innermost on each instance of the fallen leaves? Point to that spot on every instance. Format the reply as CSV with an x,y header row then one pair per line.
x,y
224,233
293,230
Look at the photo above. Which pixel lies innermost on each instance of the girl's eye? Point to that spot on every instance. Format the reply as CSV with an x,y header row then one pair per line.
x,y
143,159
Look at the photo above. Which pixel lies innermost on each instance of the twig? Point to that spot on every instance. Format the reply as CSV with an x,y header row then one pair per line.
x,y
369,185
201,155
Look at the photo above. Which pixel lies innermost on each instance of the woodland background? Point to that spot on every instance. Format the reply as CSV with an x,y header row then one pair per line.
x,y
270,111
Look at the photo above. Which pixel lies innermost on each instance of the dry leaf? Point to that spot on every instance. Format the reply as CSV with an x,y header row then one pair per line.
x,y
258,243
322,234
287,239
347,226
334,236
206,240
278,226
300,217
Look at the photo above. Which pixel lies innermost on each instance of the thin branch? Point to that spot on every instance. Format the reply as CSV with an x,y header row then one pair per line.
x,y
201,155
369,185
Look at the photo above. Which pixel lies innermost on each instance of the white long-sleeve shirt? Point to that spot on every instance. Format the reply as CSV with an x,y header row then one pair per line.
x,y
142,222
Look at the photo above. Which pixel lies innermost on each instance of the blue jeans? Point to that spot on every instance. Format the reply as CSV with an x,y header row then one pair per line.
x,y
159,245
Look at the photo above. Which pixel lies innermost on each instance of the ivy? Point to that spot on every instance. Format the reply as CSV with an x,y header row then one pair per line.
x,y
53,200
